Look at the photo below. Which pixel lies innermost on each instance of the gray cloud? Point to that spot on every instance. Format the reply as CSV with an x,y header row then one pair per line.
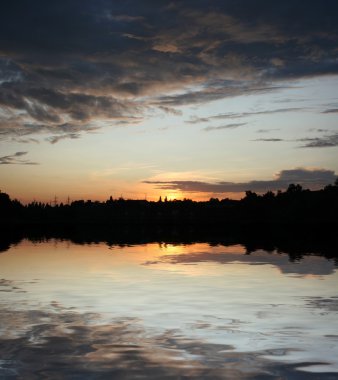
x,y
211,93
55,139
41,110
19,131
308,178
318,130
308,265
233,115
171,110
15,159
25,141
227,126
114,60
267,130
331,110
326,141
270,139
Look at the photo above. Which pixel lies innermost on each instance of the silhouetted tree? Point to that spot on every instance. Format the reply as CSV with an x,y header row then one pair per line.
x,y
294,188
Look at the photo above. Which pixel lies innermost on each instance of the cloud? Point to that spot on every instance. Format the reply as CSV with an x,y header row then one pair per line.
x,y
116,60
267,130
212,93
326,141
331,110
308,265
41,110
319,130
14,130
25,141
227,126
270,140
308,178
14,159
55,139
171,110
233,115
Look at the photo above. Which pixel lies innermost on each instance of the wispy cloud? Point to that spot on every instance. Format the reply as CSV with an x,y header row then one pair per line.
x,y
319,130
326,141
331,110
270,139
211,93
15,159
171,110
233,115
25,140
55,139
227,126
267,130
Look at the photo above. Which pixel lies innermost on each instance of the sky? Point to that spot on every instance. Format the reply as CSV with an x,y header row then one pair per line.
x,y
184,99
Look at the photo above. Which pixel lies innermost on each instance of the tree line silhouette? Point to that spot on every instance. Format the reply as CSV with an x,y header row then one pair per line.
x,y
292,206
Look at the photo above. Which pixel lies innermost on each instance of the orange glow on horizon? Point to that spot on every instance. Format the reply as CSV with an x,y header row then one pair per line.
x,y
64,196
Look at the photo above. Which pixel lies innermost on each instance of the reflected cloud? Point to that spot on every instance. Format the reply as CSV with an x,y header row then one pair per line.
x,y
9,286
323,305
309,265
94,312
68,344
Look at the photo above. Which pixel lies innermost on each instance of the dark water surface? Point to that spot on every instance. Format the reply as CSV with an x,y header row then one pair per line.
x,y
165,311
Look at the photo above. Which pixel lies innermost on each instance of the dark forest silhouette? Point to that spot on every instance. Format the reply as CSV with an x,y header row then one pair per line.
x,y
296,221
293,206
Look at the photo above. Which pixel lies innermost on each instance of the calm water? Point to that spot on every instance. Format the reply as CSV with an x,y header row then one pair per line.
x,y
160,311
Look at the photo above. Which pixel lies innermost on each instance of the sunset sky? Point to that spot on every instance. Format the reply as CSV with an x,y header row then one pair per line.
x,y
190,98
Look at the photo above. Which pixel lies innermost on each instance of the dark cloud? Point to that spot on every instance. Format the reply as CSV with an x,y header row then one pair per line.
x,y
331,110
326,141
80,62
308,178
42,110
15,159
227,126
9,71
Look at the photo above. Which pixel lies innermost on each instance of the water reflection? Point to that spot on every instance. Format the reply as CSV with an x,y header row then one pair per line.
x,y
309,265
70,345
167,311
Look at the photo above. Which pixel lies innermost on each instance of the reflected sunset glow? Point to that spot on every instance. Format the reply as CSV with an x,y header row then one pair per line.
x,y
156,293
